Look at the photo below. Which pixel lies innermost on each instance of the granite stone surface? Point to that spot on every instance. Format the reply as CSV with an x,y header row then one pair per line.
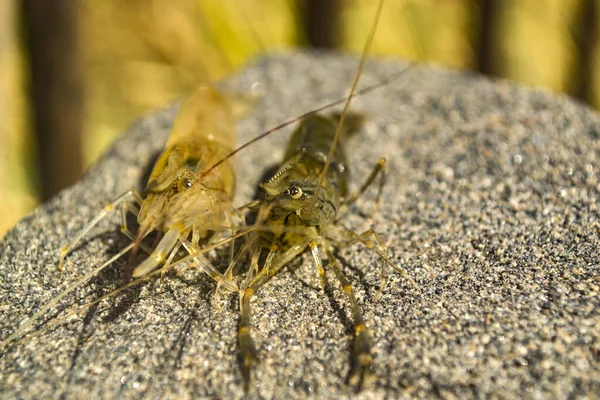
x,y
490,205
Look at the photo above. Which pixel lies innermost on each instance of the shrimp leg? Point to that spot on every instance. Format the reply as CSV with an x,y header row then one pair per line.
x,y
165,247
124,207
160,253
276,264
229,216
127,197
371,240
207,266
361,357
383,247
380,168
316,255
248,351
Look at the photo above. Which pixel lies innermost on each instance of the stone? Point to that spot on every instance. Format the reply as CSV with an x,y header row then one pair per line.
x,y
490,205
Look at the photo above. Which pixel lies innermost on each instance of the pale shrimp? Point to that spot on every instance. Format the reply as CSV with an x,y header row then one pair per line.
x,y
177,204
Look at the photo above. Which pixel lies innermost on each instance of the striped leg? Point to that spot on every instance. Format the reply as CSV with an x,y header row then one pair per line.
x,y
316,255
361,345
275,261
248,352
379,169
372,241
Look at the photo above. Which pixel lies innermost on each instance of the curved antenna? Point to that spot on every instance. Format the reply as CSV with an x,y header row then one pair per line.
x,y
338,131
307,114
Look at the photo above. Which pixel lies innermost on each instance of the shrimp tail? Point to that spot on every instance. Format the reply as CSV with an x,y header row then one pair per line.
x,y
352,122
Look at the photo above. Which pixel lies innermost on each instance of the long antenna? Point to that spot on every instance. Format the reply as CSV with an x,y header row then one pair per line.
x,y
307,114
336,138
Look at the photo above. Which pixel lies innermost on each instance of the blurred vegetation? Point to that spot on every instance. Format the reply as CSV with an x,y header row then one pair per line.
x,y
139,55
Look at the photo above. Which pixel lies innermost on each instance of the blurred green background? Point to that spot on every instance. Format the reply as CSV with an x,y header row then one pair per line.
x,y
75,73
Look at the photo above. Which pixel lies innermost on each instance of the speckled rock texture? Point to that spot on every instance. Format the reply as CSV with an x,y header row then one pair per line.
x,y
490,205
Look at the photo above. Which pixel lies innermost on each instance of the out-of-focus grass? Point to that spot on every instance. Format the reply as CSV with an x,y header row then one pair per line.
x,y
538,49
142,54
420,30
17,172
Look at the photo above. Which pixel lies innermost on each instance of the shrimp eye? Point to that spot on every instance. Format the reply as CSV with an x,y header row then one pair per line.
x,y
184,183
295,192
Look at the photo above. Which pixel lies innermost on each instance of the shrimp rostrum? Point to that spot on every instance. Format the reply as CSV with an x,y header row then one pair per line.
x,y
178,204
303,202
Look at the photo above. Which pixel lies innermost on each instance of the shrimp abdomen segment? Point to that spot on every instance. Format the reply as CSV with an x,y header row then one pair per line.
x,y
203,133
205,115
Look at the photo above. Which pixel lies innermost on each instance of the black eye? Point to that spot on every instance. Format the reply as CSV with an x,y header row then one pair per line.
x,y
295,192
184,183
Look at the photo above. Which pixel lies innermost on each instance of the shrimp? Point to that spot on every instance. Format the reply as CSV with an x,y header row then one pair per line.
x,y
302,214
177,203
303,201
